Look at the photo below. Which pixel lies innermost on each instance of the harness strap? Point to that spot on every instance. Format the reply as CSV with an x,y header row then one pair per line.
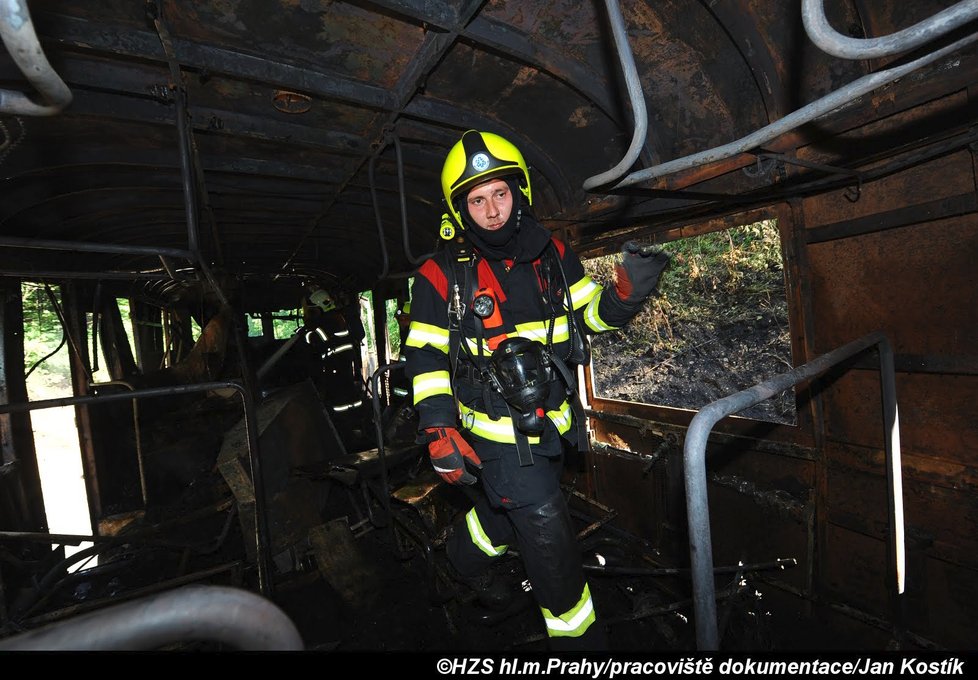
x,y
523,451
461,258
574,399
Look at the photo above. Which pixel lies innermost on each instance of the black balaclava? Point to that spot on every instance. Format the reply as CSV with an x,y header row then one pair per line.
x,y
521,238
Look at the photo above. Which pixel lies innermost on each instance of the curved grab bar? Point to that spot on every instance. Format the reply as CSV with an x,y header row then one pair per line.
x,y
380,224
232,616
806,114
404,220
694,471
636,96
832,42
18,35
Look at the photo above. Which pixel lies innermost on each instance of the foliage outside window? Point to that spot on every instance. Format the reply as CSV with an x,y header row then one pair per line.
x,y
284,324
47,351
719,325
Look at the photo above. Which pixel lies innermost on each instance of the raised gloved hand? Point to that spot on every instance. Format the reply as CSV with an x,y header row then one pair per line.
x,y
638,274
448,453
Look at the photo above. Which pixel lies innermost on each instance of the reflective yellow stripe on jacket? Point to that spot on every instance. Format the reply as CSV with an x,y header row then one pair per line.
x,y
575,621
532,330
429,384
584,291
593,319
421,334
481,425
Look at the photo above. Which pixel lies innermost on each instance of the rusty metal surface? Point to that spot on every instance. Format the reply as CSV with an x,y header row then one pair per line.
x,y
284,188
858,288
940,519
934,423
288,102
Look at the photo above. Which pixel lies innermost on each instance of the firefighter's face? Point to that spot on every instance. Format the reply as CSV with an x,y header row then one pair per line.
x,y
490,204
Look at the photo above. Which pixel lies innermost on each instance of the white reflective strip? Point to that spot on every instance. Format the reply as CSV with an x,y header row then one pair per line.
x,y
342,334
537,330
336,350
592,319
561,418
579,615
556,624
474,347
497,430
347,407
583,291
501,430
421,334
429,384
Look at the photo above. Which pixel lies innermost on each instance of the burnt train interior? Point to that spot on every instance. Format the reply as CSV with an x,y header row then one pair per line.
x,y
222,204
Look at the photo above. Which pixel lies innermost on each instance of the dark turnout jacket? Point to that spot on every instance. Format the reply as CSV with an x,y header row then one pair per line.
x,y
531,296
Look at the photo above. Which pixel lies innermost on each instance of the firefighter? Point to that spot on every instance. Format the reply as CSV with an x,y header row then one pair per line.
x,y
499,319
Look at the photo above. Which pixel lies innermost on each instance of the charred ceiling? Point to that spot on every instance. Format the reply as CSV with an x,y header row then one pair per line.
x,y
287,141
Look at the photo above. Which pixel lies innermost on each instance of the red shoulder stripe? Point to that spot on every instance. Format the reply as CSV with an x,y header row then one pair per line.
x,y
488,280
560,246
436,277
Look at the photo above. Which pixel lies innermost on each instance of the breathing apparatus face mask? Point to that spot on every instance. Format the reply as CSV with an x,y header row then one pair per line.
x,y
521,370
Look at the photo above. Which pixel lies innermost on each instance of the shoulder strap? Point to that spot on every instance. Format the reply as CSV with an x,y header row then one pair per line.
x,y
460,260
578,352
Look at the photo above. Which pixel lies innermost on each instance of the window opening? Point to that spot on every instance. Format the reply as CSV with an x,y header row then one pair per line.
x,y
719,325
47,358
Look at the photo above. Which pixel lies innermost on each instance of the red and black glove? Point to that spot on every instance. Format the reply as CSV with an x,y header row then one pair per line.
x,y
448,453
638,274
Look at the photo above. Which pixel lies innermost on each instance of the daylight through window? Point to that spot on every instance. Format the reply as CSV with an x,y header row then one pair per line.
x,y
719,325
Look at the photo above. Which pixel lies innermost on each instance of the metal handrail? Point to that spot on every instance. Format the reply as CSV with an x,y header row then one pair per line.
x,y
18,35
832,42
694,470
251,428
198,613
812,111
636,96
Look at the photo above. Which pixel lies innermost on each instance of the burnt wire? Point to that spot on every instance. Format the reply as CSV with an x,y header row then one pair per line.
x,y
65,336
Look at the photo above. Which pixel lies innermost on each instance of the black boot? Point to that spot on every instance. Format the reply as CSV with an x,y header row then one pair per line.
x,y
489,591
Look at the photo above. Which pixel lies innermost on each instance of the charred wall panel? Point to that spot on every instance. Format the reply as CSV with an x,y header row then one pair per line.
x,y
639,497
900,259
761,509
946,606
889,281
939,518
852,571
760,500
937,422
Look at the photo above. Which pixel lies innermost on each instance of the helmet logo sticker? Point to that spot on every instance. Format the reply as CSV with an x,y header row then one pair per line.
x,y
480,162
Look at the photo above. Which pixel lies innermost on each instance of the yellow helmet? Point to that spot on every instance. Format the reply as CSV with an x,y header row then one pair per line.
x,y
477,157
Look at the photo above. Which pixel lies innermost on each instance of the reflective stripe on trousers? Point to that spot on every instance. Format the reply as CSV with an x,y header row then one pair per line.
x,y
575,621
479,537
